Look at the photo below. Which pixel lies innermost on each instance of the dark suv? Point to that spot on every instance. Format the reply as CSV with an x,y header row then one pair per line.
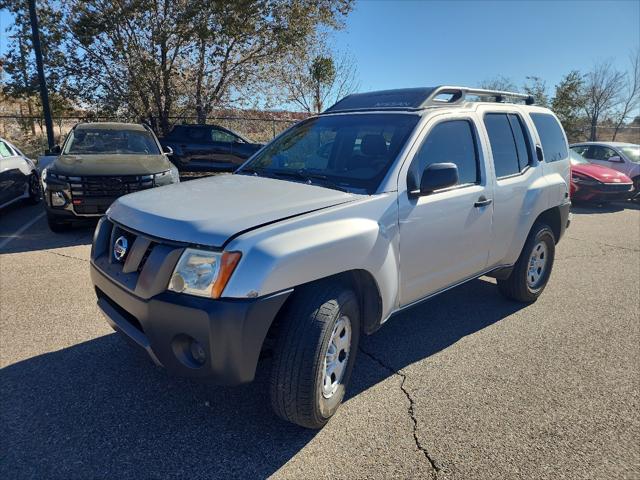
x,y
98,163
198,148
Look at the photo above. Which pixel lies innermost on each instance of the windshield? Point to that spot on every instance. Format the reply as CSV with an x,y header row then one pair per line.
x,y
632,152
576,158
348,152
102,141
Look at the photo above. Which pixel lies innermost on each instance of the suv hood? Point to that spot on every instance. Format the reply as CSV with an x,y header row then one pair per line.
x,y
111,164
600,173
211,210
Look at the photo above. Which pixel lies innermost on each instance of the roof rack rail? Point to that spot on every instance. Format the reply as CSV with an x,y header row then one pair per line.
x,y
459,94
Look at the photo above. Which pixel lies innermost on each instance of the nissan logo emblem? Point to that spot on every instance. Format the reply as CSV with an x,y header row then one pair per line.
x,y
120,248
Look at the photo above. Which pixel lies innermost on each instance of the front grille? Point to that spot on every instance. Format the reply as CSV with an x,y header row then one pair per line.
x,y
94,194
615,187
111,186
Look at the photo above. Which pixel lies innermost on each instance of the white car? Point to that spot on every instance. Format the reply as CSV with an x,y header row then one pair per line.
x,y
18,176
623,157
347,218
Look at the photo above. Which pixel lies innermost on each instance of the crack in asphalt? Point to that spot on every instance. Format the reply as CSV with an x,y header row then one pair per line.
x,y
618,247
66,256
435,466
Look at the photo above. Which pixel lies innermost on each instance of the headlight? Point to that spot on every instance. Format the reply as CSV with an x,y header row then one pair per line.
x,y
167,177
583,180
203,273
43,177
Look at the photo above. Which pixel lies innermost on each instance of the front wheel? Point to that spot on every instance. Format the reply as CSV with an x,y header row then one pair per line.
x,y
531,272
315,353
34,189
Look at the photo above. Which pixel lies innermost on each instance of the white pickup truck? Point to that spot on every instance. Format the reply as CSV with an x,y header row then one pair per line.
x,y
347,218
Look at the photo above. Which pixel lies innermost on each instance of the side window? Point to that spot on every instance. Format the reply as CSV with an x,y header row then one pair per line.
x,y
598,152
581,150
452,141
221,136
197,134
503,145
554,145
5,151
522,141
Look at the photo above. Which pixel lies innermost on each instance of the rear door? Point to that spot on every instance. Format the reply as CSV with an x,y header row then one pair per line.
x,y
444,236
512,152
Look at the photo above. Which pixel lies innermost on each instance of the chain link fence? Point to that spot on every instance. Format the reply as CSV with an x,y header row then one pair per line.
x,y
28,132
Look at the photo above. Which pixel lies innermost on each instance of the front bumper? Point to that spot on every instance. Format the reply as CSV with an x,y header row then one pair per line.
x,y
231,331
606,192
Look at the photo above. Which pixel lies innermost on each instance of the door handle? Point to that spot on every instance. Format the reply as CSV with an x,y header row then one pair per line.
x,y
482,202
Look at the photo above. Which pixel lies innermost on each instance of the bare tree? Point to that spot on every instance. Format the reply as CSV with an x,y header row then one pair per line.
x,y
499,82
630,97
602,93
318,78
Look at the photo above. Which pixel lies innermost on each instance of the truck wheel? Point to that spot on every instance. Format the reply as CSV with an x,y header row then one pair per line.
x,y
58,226
315,353
532,270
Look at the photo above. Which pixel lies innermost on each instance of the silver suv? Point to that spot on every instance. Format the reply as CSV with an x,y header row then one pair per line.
x,y
347,218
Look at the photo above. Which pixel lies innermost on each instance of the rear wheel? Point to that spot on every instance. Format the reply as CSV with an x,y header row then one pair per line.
x,y
315,353
531,272
56,225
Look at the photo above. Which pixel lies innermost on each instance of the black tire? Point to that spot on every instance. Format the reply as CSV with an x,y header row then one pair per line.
x,y
517,286
34,189
305,330
58,226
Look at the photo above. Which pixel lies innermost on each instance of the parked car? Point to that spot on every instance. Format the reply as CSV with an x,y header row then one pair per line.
x,y
207,148
98,163
18,176
343,221
623,157
595,183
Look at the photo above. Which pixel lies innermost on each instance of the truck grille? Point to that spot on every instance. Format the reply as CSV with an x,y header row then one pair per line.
x,y
94,194
615,187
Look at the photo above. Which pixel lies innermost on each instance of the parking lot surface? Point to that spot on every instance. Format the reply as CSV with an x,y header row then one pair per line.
x,y
467,385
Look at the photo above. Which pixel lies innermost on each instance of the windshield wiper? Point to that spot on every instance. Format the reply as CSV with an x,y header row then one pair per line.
x,y
308,176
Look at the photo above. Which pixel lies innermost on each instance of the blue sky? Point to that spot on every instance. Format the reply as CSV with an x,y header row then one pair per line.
x,y
419,43
423,43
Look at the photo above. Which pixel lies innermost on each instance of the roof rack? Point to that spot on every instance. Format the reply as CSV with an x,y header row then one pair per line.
x,y
459,94
412,99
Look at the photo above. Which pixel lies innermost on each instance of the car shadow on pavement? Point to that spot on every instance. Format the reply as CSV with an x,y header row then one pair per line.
x,y
39,237
589,208
101,409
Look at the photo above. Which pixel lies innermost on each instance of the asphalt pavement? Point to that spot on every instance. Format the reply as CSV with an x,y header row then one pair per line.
x,y
465,386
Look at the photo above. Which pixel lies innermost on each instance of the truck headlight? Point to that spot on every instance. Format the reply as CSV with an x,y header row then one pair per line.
x,y
167,177
203,273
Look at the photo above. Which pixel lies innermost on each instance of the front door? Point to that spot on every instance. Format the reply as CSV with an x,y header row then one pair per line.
x,y
445,235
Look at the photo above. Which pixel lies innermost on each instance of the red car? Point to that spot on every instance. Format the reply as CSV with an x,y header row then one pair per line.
x,y
595,183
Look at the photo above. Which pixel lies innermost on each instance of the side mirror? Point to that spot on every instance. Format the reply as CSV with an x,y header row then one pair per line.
x,y
167,149
56,150
435,177
615,159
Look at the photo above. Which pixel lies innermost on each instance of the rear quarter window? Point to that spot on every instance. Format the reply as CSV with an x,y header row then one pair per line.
x,y
554,144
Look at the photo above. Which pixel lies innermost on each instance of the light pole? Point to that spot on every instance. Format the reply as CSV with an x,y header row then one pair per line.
x,y
44,96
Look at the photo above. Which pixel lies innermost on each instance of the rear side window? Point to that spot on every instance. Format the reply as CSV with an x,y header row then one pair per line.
x,y
449,142
509,143
222,136
554,145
